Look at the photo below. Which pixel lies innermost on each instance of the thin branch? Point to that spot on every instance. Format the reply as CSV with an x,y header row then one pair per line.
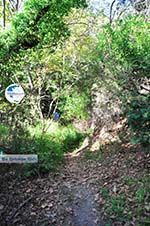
x,y
145,88
111,9
16,212
76,23
30,82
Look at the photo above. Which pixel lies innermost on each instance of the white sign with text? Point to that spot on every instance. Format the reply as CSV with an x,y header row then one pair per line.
x,y
14,93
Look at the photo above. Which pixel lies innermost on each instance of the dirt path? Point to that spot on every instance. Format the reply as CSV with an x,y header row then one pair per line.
x,y
66,198
85,211
72,195
79,196
83,208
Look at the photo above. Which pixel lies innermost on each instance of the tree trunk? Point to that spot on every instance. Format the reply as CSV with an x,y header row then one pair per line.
x,y
17,5
4,13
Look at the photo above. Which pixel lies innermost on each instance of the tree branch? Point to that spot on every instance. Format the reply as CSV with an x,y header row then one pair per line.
x,y
111,9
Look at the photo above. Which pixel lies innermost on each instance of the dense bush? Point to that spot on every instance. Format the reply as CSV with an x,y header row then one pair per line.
x,y
127,45
50,146
49,154
75,106
32,28
3,133
124,51
139,119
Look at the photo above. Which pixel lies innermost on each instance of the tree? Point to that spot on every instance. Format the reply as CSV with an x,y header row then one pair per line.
x,y
8,8
40,23
122,8
38,28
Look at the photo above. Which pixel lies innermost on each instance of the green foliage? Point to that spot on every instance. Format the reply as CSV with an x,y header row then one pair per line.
x,y
40,23
124,50
59,76
75,106
128,43
49,154
139,119
129,180
50,146
105,193
116,206
140,195
3,130
51,77
71,138
119,205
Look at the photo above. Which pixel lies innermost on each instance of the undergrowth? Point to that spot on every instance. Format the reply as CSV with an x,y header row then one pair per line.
x,y
50,146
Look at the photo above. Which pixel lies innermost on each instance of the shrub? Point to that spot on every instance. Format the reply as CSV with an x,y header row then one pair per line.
x,y
50,146
75,106
3,130
3,133
139,119
49,154
124,50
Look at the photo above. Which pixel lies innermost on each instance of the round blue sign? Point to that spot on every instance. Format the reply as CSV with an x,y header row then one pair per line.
x,y
14,93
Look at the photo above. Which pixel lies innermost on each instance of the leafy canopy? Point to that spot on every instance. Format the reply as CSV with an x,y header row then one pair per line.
x,y
40,23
